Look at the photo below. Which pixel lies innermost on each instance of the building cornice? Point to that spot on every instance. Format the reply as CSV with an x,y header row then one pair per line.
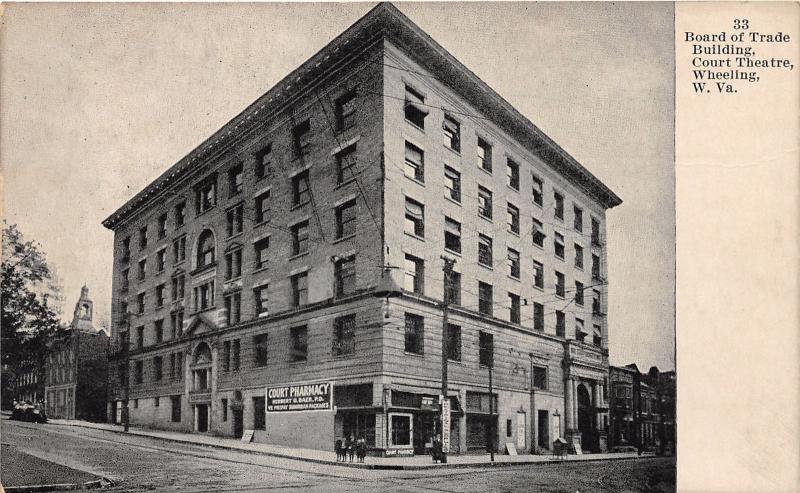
x,y
387,22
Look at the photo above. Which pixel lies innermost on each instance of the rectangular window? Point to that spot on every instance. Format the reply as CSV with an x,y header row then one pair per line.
x,y
262,300
559,205
401,429
300,238
224,406
509,429
537,190
124,281
512,174
415,218
596,303
300,289
162,225
538,274
561,324
538,316
597,339
513,218
161,260
452,235
235,180
235,217
159,329
301,192
180,214
156,401
204,296
233,308
513,263
596,267
414,108
158,363
233,264
261,253
453,342
138,372
263,161
301,136
415,275
346,219
178,287
558,245
537,233
205,196
235,358
344,335
299,349
580,332
578,214
176,323
484,203
485,251
160,295
539,378
514,308
596,232
560,285
485,302
414,337
172,368
179,250
452,289
451,131
345,164
260,347
142,269
578,256
415,162
226,356
484,155
142,237
126,249
140,302
346,111
262,207
486,349
578,293
452,181
345,274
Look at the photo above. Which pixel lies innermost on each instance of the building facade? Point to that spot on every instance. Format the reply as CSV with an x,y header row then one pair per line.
x,y
287,277
642,408
76,368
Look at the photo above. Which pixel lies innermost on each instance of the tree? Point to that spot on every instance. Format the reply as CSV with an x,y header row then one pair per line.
x,y
28,317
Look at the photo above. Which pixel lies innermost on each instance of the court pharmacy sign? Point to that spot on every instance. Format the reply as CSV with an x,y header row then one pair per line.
x,y
302,397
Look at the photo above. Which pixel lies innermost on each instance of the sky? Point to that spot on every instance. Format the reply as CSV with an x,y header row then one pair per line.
x,y
99,99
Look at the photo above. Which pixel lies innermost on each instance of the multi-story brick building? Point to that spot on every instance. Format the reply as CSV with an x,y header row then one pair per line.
x,y
76,368
642,408
250,268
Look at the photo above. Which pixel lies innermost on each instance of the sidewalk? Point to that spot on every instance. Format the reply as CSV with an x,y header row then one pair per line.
x,y
329,458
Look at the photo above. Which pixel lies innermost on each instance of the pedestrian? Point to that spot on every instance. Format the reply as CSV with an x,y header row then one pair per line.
x,y
361,449
339,450
436,449
349,446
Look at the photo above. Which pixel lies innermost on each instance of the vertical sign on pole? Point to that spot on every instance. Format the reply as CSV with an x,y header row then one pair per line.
x,y
446,425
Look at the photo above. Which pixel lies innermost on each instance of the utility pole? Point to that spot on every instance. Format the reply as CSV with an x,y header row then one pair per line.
x,y
445,408
127,379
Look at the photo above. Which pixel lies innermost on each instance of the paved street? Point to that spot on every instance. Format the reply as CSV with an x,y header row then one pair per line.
x,y
138,463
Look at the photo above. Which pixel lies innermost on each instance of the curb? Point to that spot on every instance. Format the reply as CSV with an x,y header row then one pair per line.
x,y
381,467
89,485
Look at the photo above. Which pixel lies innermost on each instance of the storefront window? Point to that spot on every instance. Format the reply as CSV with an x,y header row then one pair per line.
x,y
360,426
401,429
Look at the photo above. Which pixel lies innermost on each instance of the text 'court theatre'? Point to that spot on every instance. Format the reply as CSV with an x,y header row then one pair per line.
x,y
286,276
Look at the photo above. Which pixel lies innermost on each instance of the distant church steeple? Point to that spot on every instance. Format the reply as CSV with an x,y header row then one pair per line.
x,y
82,319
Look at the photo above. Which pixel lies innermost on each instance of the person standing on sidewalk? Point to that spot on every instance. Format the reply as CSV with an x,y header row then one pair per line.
x,y
349,446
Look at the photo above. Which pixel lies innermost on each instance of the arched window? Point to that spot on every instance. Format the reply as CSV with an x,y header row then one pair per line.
x,y
205,249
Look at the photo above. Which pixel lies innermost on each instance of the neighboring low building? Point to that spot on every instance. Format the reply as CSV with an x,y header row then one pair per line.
x,y
642,408
29,383
76,368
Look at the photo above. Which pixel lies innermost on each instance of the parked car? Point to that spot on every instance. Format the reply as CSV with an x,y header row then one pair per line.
x,y
26,411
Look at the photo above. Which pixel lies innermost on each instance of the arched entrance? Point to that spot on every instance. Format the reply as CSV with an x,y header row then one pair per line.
x,y
585,426
200,392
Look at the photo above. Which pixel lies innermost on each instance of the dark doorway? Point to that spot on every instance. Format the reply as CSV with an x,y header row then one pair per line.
x,y
543,429
585,426
202,417
423,432
238,422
